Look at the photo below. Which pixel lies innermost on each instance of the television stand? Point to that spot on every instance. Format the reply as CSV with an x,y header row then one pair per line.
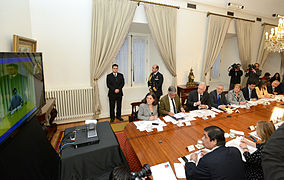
x,y
46,117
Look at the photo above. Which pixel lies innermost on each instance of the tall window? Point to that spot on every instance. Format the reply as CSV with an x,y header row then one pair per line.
x,y
132,59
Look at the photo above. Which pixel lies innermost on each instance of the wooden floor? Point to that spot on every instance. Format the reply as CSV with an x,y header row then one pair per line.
x,y
62,127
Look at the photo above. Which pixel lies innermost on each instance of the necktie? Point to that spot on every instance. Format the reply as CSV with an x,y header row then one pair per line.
x,y
200,97
219,99
175,111
249,93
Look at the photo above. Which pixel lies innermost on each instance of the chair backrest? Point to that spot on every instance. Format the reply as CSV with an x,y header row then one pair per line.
x,y
134,111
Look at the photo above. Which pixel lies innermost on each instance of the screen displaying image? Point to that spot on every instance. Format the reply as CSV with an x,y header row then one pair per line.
x,y
21,89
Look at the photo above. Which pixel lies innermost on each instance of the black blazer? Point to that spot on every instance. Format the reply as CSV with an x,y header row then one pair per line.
x,y
115,83
272,156
155,83
220,164
193,98
246,93
277,89
214,99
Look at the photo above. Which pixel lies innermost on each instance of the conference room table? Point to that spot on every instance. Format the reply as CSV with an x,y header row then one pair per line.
x,y
170,144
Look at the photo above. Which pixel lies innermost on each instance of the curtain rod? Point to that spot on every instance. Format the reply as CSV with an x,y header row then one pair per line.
x,y
210,13
263,24
139,1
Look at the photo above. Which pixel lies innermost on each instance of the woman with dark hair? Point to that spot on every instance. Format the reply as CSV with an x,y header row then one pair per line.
x,y
266,77
261,90
253,167
148,108
275,77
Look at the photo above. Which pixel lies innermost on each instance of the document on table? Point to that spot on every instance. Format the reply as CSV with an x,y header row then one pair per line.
x,y
216,110
179,169
236,143
144,125
254,134
241,133
163,171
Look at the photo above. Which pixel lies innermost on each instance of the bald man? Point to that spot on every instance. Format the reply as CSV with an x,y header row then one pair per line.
x,y
155,81
198,99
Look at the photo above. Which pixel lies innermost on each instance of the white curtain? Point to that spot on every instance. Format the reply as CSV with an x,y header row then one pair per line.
x,y
162,23
262,52
217,30
244,36
110,24
122,59
139,60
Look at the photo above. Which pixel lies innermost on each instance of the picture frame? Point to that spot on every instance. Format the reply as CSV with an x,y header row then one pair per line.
x,y
23,44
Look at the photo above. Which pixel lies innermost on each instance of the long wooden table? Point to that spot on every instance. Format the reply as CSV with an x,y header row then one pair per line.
x,y
170,144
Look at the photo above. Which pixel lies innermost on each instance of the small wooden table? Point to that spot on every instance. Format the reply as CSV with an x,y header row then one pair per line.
x,y
170,144
183,90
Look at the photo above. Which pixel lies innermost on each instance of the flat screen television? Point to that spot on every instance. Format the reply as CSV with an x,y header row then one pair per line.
x,y
21,89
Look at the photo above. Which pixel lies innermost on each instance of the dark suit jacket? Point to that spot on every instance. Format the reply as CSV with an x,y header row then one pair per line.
x,y
164,106
155,83
193,97
277,89
246,93
115,83
214,99
273,156
223,163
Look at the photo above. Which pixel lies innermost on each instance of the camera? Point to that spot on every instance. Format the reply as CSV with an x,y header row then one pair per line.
x,y
251,67
233,66
144,172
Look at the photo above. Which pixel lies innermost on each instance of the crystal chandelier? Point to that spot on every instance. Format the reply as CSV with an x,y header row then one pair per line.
x,y
275,41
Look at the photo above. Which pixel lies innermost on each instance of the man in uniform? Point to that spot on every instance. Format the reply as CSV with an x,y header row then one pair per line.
x,y
155,81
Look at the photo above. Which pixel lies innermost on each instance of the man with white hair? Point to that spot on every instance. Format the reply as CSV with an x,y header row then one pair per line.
x,y
198,99
218,99
274,88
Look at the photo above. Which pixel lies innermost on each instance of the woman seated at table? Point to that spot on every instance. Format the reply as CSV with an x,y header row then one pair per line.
x,y
148,108
235,96
253,167
261,90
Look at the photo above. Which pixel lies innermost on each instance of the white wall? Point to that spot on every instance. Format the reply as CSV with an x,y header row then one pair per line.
x,y
63,31
14,19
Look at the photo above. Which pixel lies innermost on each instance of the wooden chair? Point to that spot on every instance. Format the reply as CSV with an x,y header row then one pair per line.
x,y
134,111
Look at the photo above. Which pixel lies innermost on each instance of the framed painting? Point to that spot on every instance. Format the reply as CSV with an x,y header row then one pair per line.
x,y
23,44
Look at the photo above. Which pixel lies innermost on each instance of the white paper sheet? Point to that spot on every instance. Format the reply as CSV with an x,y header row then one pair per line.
x,y
179,169
241,133
163,171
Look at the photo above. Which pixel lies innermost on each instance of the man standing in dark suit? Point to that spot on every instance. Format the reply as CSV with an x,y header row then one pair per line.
x,y
198,99
115,83
218,99
155,81
250,92
220,163
235,73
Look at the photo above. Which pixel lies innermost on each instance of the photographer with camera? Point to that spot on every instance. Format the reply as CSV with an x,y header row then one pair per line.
x,y
122,173
253,73
235,72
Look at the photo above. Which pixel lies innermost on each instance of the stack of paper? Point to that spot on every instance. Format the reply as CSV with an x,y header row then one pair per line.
x,y
150,125
236,143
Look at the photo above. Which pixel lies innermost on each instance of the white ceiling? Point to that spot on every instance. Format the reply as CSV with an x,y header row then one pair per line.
x,y
261,7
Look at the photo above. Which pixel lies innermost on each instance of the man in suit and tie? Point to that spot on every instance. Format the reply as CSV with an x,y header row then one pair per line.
x,y
198,99
155,81
115,83
218,99
274,88
170,103
220,162
249,92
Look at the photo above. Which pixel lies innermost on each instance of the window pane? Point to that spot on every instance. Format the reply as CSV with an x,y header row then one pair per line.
x,y
139,59
122,60
216,67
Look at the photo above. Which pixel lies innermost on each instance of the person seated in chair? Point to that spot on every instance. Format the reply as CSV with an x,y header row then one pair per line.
x,y
148,108
198,99
274,88
170,103
250,92
220,163
235,96
218,99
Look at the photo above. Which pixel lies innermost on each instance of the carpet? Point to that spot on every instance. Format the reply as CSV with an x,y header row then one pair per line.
x,y
58,141
116,127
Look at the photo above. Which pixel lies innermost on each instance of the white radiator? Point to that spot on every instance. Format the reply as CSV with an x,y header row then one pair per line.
x,y
72,103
